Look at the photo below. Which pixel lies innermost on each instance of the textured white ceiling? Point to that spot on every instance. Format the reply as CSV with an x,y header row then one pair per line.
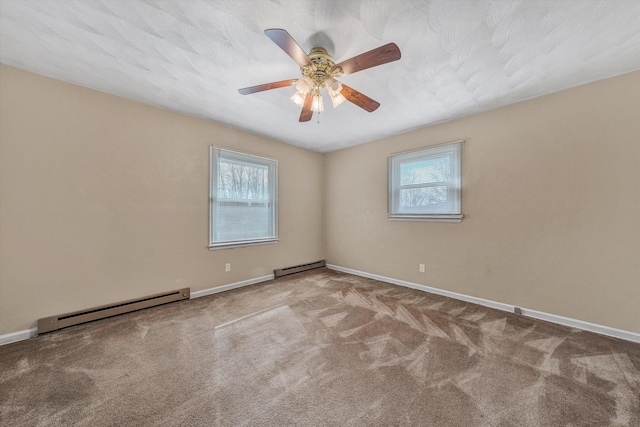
x,y
458,56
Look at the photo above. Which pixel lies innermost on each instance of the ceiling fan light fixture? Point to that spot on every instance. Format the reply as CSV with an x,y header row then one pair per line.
x,y
317,104
334,88
337,100
298,98
304,85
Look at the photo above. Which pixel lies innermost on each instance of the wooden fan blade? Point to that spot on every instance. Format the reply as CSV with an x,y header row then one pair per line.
x,y
266,86
307,113
381,55
361,100
289,45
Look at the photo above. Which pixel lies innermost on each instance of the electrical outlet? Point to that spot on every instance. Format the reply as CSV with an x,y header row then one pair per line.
x,y
421,268
227,267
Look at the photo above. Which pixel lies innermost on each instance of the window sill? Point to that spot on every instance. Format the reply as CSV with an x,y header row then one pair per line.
x,y
426,217
241,244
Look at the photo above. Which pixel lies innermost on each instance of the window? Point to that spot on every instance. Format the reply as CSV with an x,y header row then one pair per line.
x,y
425,185
243,200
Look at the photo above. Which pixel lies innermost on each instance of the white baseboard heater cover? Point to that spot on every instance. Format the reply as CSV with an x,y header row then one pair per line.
x,y
298,268
53,323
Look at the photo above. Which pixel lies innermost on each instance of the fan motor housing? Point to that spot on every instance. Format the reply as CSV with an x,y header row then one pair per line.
x,y
323,62
320,57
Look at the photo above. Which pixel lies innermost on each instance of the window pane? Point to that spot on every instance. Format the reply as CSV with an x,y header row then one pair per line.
x,y
426,184
424,171
240,221
243,199
242,181
423,199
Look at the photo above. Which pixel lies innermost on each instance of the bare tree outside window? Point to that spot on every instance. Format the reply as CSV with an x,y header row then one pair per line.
x,y
238,181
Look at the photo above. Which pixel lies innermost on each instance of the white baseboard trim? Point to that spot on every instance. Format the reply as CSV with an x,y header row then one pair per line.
x,y
18,336
210,291
30,333
554,318
574,323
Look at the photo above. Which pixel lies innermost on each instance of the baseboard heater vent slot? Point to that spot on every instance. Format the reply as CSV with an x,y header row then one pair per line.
x,y
53,323
298,268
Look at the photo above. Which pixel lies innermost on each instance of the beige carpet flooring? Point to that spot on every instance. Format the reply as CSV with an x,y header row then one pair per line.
x,y
320,348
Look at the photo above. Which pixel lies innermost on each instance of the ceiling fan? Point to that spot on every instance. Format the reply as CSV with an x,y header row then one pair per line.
x,y
320,71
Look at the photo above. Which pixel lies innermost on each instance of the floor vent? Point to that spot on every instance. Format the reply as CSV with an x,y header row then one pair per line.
x,y
53,323
298,268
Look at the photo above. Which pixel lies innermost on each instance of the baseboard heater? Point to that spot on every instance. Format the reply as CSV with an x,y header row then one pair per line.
x,y
53,323
298,268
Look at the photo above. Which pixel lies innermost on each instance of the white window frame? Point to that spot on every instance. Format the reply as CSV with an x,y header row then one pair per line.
x,y
215,153
452,150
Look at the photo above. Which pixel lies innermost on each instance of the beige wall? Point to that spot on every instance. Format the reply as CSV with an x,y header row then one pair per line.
x,y
103,199
551,198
